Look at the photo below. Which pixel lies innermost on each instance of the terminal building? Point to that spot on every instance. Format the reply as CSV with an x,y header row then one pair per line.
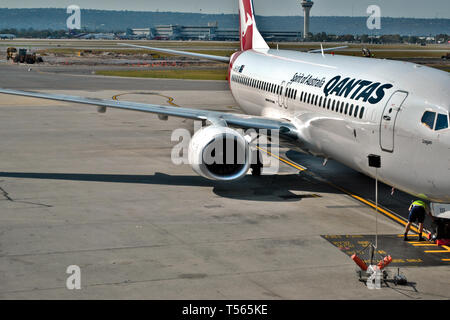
x,y
209,32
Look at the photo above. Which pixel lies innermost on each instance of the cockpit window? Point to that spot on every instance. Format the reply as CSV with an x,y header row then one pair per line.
x,y
441,122
428,119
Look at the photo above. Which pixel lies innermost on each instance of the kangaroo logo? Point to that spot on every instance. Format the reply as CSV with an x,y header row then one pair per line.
x,y
247,24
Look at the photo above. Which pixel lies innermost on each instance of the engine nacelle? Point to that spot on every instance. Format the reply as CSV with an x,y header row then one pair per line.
x,y
219,153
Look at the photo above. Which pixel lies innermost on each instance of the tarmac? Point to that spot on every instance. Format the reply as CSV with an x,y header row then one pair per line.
x,y
100,191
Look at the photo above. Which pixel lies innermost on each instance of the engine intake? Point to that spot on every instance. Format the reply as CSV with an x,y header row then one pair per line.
x,y
219,153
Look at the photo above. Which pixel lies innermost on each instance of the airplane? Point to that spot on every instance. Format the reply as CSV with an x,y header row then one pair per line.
x,y
336,107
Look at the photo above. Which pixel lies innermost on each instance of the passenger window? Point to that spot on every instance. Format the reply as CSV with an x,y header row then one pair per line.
x,y
428,119
361,113
346,108
441,122
329,103
315,100
332,106
356,111
320,101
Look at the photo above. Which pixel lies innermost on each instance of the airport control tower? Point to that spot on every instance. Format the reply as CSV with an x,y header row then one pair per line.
x,y
307,5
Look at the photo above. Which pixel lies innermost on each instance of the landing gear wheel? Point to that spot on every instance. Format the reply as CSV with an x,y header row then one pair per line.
x,y
257,168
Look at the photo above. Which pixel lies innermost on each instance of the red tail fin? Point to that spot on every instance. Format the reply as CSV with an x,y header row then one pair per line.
x,y
249,34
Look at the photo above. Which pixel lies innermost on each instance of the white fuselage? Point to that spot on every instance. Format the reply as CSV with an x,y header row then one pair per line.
x,y
346,108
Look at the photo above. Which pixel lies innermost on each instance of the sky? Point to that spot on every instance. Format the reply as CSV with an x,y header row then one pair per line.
x,y
389,8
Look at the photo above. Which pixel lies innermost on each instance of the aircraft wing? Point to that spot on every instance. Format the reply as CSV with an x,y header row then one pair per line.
x,y
181,53
231,119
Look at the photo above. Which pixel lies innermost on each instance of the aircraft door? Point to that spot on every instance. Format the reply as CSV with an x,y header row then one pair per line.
x,y
388,120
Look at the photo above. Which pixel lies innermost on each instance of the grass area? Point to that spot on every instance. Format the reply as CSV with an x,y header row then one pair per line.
x,y
74,52
358,46
193,74
443,67
395,54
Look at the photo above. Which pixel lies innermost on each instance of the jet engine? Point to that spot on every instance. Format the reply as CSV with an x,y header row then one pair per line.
x,y
219,153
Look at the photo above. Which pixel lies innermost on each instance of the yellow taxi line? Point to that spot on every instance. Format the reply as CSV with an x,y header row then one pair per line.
x,y
424,244
170,100
447,250
381,210
297,166
437,251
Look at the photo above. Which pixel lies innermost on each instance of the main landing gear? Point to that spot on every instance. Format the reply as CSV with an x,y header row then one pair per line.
x,y
257,167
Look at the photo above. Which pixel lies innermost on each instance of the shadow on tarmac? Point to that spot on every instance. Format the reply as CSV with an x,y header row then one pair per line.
x,y
292,187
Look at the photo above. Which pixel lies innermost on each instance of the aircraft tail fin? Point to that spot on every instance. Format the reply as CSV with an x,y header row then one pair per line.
x,y
249,34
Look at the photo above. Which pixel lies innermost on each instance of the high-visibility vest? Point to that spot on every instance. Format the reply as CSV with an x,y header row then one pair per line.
x,y
419,203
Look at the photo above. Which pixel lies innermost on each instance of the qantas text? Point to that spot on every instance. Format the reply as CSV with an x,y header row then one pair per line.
x,y
368,91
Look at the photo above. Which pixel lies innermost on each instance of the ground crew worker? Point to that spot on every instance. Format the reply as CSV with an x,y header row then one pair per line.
x,y
417,212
